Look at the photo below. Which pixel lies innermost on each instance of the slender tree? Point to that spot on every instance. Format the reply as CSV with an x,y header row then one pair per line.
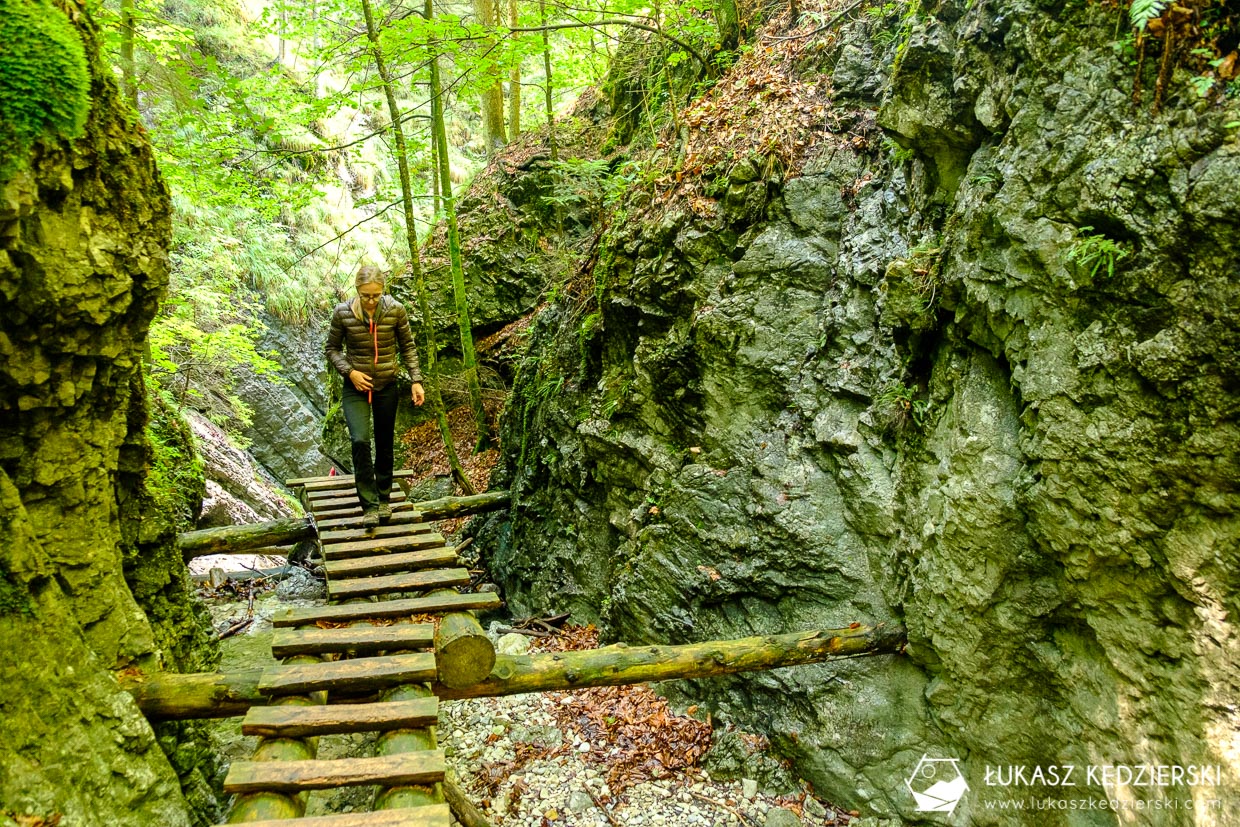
x,y
439,139
546,39
514,79
129,74
493,89
433,395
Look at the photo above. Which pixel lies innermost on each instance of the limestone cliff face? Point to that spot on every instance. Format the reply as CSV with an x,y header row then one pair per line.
x,y
888,389
84,230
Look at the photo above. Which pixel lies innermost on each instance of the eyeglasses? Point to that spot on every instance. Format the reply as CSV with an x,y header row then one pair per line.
x,y
369,297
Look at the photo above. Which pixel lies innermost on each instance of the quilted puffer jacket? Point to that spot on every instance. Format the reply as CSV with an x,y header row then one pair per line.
x,y
372,348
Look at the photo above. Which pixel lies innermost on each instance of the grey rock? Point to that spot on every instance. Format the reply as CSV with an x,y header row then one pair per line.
x,y
299,583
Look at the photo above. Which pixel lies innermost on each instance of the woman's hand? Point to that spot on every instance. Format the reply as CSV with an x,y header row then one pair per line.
x,y
419,396
360,380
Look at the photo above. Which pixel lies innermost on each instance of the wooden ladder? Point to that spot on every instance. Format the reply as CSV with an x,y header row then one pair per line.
x,y
313,694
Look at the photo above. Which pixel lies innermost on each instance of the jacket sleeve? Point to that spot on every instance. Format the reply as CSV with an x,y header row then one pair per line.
x,y
408,347
335,337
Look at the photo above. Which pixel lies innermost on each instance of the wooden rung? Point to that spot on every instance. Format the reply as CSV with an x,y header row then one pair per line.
x,y
355,521
350,501
410,582
381,545
288,642
334,719
432,815
384,609
330,493
306,481
410,561
349,510
341,535
422,767
352,675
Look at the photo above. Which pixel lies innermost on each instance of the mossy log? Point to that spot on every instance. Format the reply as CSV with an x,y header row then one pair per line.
x,y
464,655
238,538
169,696
446,508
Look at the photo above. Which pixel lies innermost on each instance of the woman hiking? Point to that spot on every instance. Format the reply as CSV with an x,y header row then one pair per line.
x,y
372,329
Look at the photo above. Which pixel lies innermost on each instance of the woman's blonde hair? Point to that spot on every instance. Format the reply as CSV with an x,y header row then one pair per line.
x,y
369,274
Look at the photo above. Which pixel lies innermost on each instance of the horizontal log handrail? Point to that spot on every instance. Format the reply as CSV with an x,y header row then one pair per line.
x,y
171,696
233,539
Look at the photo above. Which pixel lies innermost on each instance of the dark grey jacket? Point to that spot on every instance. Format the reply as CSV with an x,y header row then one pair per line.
x,y
372,350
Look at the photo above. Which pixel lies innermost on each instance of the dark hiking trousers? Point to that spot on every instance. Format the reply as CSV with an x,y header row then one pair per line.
x,y
372,477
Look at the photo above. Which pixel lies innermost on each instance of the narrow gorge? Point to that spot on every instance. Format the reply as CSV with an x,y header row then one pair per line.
x,y
922,314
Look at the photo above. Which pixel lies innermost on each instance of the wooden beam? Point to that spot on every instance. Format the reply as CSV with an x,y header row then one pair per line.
x,y
379,545
429,558
363,639
424,767
389,609
415,581
238,538
169,696
335,719
433,815
355,675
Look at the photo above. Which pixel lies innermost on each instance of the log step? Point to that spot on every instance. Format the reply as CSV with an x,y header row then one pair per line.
x,y
395,583
288,642
334,512
349,500
329,493
433,558
342,535
355,521
381,545
357,674
306,721
432,815
338,479
422,767
383,609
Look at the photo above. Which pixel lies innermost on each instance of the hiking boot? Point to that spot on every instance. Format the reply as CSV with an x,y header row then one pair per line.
x,y
385,513
370,519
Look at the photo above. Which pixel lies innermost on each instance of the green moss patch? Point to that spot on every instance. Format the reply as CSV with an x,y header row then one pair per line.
x,y
44,80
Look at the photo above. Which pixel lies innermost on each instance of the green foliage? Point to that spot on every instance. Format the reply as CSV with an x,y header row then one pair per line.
x,y
1141,12
175,473
14,598
44,79
1093,251
899,155
901,409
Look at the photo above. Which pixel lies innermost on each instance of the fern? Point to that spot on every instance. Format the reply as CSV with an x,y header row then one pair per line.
x,y
1141,12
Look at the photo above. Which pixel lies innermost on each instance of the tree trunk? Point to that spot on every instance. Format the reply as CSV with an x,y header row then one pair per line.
x,y
415,262
546,38
236,538
439,136
129,73
169,696
492,97
514,80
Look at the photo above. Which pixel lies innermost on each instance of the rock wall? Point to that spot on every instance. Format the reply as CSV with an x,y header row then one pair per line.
x,y
83,263
887,388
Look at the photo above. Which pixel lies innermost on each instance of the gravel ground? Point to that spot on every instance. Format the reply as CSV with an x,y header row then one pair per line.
x,y
567,789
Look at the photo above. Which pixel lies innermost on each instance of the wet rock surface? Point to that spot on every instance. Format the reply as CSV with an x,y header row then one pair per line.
x,y
887,390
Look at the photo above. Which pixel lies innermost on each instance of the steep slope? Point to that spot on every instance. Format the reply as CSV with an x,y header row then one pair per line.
x,y
937,329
